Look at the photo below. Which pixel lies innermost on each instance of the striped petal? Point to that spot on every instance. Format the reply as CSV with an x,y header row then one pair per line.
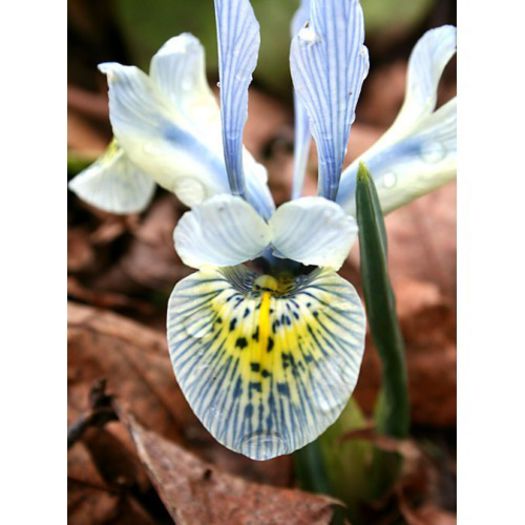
x,y
114,184
266,365
313,231
148,131
238,43
178,71
168,124
329,64
411,167
418,153
222,231
427,61
303,136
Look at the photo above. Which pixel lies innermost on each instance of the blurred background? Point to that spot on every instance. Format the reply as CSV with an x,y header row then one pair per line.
x,y
121,270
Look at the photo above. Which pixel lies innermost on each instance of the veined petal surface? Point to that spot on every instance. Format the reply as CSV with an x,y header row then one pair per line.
x,y
303,136
266,365
427,61
238,40
411,167
178,72
114,184
145,126
222,231
168,124
418,152
313,231
329,64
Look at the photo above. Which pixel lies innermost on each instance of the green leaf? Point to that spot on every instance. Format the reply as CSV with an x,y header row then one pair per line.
x,y
392,414
392,418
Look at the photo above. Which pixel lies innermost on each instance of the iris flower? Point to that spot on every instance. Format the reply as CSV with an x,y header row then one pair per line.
x,y
265,338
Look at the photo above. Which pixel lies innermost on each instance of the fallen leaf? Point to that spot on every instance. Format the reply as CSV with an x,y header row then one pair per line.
x,y
149,261
101,299
83,137
91,500
80,253
195,492
428,323
427,515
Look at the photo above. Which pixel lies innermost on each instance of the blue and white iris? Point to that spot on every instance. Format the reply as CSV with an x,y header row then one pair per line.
x,y
269,359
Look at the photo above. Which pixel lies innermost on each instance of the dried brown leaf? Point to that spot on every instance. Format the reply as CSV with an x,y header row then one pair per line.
x,y
195,492
80,253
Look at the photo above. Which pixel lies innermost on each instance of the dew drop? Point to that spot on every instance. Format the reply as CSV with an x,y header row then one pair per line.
x,y
389,180
308,35
150,149
433,152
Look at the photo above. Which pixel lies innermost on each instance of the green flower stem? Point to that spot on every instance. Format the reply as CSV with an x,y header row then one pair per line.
x,y
310,469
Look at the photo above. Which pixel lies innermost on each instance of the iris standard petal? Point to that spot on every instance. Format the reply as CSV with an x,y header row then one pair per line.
x,y
114,184
329,64
313,231
303,136
222,231
418,153
238,40
266,365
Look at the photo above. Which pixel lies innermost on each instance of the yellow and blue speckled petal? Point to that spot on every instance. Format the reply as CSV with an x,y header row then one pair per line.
x,y
266,364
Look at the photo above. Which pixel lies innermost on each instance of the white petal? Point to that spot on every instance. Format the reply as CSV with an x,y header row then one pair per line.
x,y
266,372
184,159
418,152
313,231
238,40
114,184
329,63
303,136
146,129
179,73
410,167
222,231
427,61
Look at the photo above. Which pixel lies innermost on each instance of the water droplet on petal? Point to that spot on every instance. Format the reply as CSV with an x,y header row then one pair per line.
x,y
308,35
433,152
151,148
389,180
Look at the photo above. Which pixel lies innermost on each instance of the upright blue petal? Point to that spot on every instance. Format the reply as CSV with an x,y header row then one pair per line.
x,y
303,135
329,64
238,42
